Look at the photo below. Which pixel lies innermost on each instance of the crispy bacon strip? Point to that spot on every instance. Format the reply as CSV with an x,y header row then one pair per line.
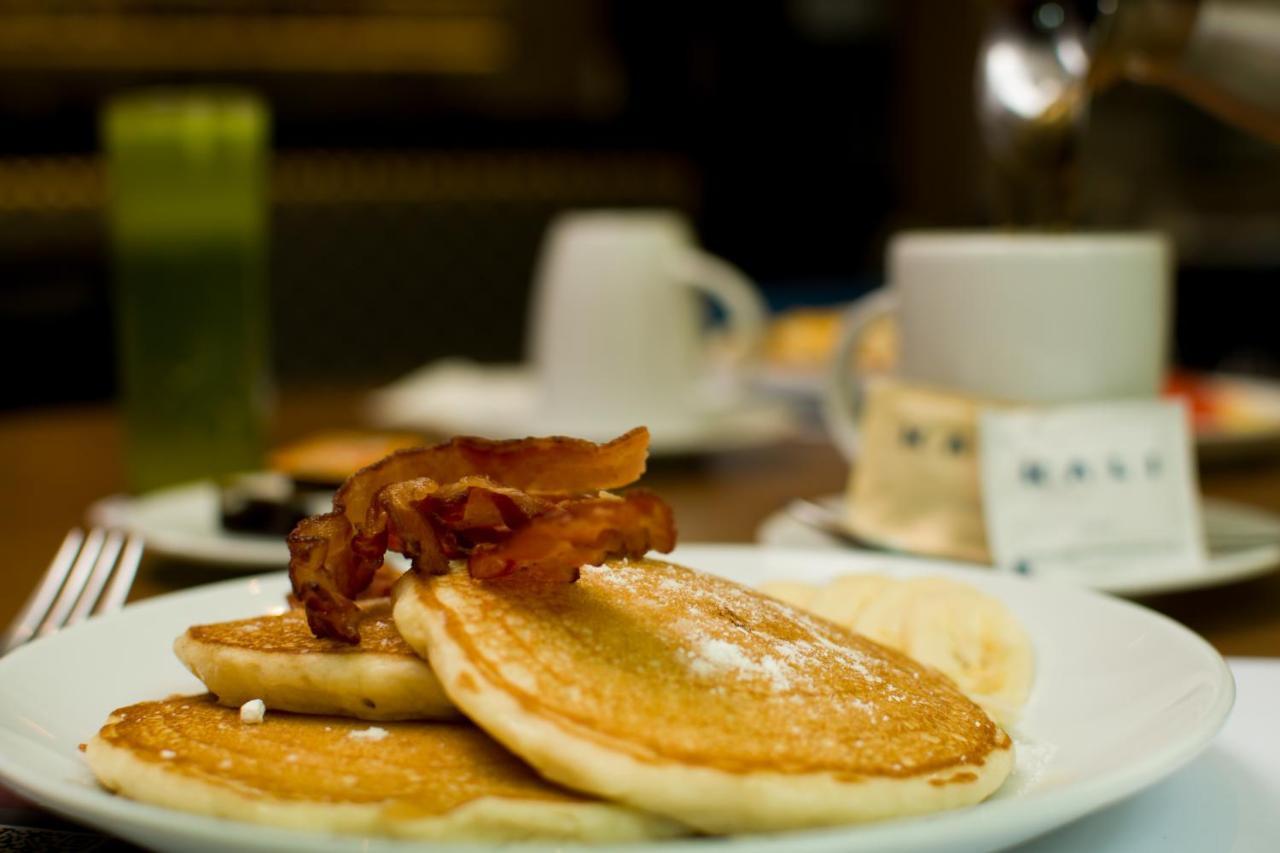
x,y
326,573
554,465
554,546
438,503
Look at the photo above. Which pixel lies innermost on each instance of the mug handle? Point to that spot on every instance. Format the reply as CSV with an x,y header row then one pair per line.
x,y
842,403
729,287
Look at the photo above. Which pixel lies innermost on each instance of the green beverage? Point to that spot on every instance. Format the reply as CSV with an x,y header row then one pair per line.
x,y
187,175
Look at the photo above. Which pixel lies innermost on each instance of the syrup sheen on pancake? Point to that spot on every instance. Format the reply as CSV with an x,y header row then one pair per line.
x,y
287,633
423,780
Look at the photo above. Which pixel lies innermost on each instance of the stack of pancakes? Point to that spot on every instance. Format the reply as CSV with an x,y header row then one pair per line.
x,y
645,700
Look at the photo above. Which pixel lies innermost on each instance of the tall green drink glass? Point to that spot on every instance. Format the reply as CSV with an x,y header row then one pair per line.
x,y
188,220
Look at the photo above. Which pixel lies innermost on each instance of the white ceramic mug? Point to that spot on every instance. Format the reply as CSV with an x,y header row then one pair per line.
x,y
1020,317
617,335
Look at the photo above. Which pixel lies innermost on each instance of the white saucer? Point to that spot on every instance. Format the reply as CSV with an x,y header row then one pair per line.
x,y
457,397
1224,521
1115,708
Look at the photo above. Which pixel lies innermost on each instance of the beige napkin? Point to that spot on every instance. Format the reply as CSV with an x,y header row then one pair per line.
x,y
916,486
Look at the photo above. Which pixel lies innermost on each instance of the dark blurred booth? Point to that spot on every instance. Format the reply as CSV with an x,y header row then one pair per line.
x,y
421,145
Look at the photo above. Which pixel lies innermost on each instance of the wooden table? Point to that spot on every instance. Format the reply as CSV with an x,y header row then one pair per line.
x,y
55,462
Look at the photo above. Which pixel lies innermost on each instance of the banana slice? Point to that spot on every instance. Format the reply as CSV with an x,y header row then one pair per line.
x,y
885,616
949,625
975,640
843,600
795,593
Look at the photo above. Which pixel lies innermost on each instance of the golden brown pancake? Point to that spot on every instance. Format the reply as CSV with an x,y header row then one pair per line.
x,y
694,697
278,660
415,780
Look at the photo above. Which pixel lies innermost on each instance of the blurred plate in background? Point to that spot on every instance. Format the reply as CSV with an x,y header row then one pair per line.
x,y
1235,417
457,397
184,522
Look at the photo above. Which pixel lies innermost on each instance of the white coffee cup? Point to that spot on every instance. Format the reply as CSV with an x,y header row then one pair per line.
x,y
1018,317
617,336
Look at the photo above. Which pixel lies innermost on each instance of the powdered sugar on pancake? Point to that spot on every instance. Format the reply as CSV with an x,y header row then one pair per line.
x,y
714,657
736,645
373,733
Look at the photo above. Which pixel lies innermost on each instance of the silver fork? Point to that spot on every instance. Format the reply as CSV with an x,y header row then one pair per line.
x,y
91,573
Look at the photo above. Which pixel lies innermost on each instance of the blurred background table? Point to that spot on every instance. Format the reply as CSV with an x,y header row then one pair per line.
x,y
57,461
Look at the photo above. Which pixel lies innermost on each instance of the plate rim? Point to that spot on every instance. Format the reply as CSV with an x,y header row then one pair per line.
x,y
1017,816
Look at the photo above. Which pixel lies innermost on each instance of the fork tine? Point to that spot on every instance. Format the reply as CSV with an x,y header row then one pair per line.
x,y
123,580
102,570
74,584
37,605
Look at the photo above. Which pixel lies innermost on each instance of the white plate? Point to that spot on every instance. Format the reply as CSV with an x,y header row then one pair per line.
x,y
1224,801
500,401
1123,697
1244,542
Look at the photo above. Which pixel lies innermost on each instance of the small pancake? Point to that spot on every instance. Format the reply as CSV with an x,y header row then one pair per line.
x,y
422,780
691,696
276,659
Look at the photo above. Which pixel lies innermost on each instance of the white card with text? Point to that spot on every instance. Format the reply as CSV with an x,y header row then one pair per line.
x,y
1083,488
